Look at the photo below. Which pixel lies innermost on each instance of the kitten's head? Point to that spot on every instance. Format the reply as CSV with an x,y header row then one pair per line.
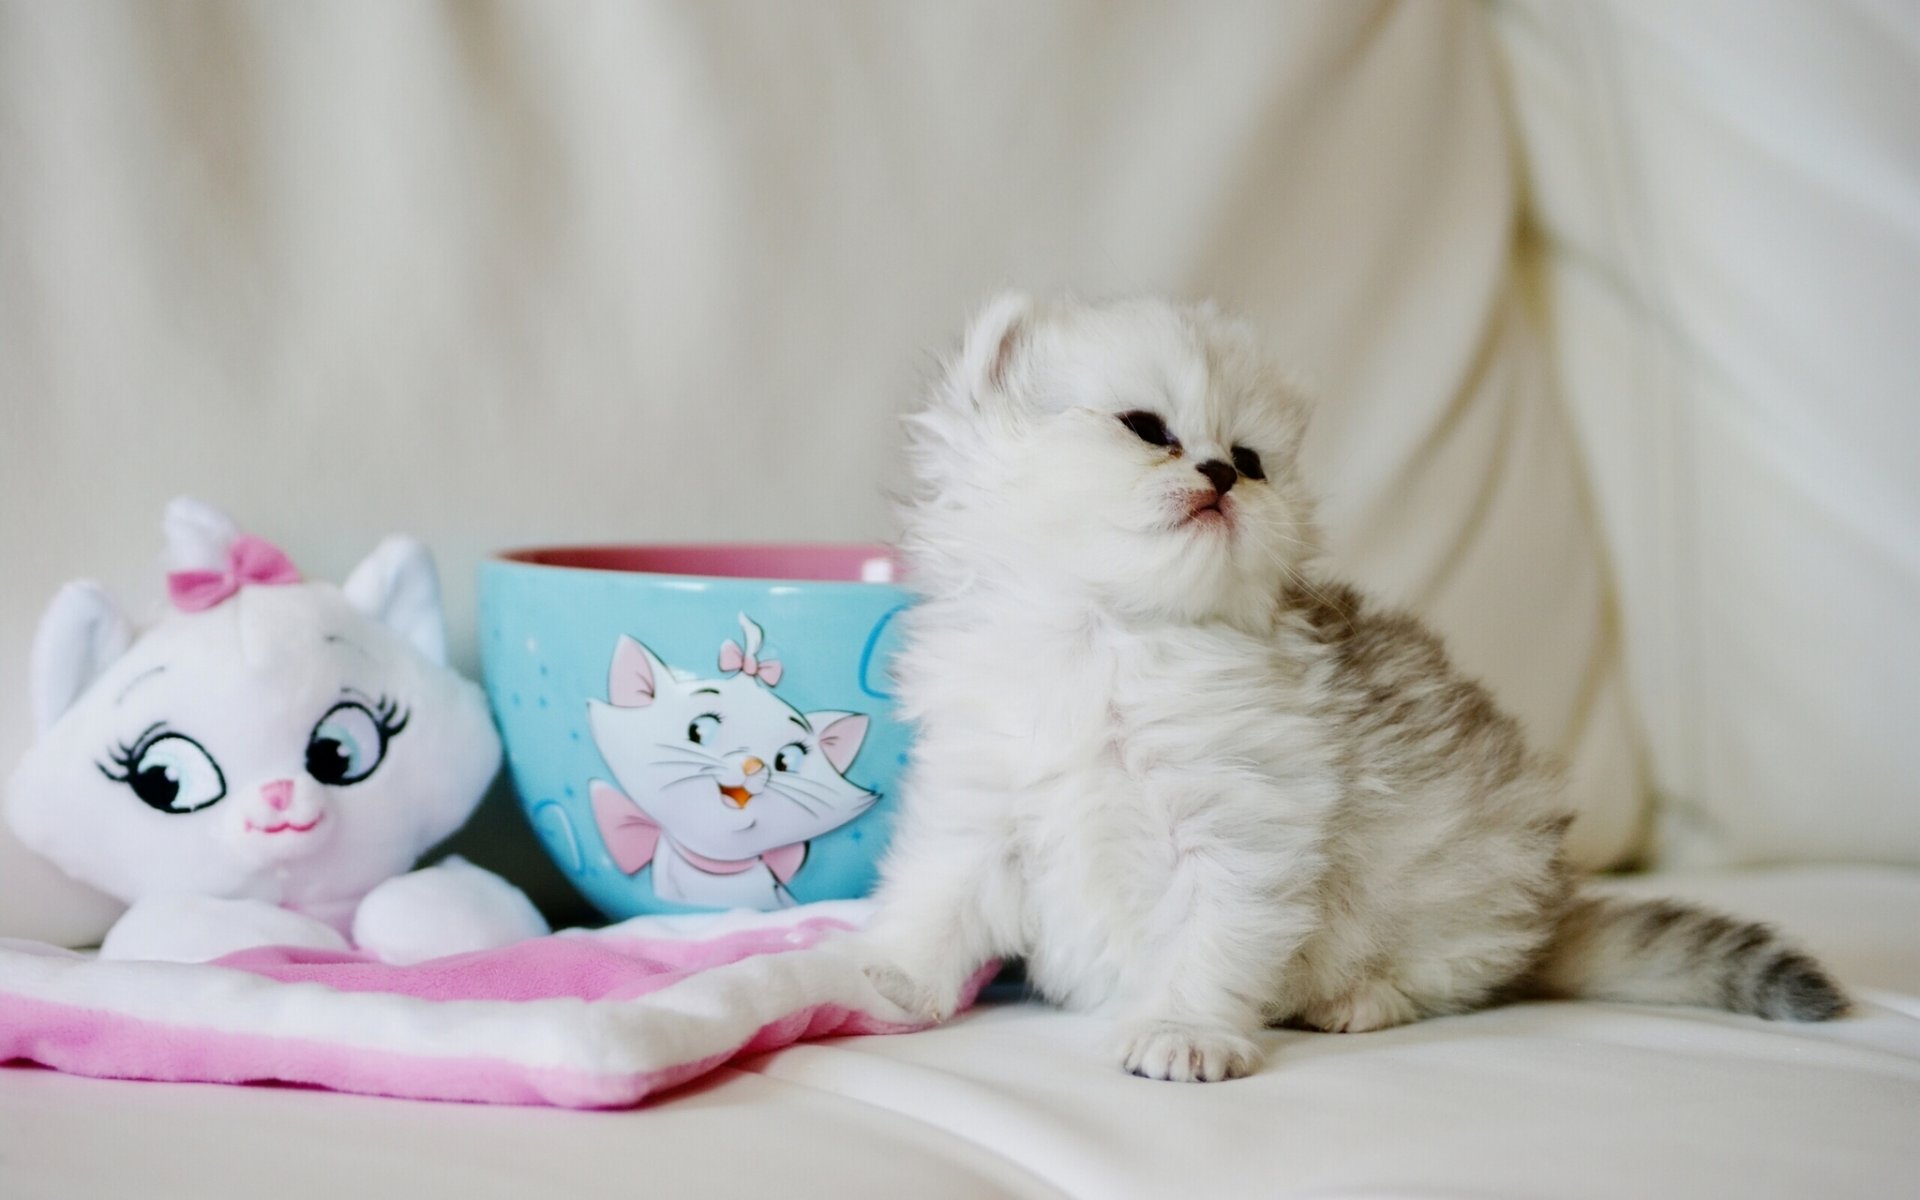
x,y
1138,453
294,741
725,766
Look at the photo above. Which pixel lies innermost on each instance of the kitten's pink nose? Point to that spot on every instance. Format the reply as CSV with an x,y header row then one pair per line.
x,y
278,794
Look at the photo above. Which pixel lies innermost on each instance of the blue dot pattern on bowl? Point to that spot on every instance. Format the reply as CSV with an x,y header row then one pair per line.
x,y
548,642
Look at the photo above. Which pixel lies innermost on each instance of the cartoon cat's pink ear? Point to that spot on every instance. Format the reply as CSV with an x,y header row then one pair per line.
x,y
631,678
841,734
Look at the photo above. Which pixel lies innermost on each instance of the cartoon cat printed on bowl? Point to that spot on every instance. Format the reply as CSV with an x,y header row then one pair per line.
x,y
721,782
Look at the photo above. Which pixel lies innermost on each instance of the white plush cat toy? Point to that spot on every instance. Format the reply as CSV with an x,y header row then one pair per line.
x,y
261,765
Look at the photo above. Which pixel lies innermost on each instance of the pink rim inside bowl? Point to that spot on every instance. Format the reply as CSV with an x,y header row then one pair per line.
x,y
797,561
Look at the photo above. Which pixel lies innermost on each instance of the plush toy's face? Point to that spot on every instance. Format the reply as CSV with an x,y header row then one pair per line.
x,y
284,744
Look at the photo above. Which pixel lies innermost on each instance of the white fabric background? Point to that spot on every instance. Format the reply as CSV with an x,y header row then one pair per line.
x,y
1729,199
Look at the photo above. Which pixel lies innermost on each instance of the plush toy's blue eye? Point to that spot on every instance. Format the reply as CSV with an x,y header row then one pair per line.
x,y
347,745
173,774
790,757
703,728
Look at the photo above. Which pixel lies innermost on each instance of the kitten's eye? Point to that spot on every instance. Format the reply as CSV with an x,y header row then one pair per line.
x,y
1247,463
173,774
347,745
1149,428
703,727
790,757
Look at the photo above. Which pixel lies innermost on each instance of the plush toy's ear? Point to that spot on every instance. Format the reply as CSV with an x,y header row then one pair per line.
x,y
398,587
990,353
198,535
81,635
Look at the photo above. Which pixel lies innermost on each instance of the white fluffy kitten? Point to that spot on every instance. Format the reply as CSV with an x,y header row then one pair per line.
x,y
1192,784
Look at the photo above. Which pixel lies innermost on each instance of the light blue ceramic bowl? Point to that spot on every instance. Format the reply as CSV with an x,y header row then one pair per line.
x,y
668,762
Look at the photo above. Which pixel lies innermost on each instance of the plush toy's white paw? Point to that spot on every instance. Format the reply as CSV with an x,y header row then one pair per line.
x,y
203,928
1187,1053
451,908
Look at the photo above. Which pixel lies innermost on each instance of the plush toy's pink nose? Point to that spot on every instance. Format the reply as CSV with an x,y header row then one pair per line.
x,y
278,794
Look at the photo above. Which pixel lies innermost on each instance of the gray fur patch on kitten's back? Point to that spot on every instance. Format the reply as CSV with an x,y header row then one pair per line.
x,y
1445,873
1413,721
1397,696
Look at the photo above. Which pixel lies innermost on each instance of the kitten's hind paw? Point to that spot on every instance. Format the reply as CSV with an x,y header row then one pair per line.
x,y
1186,1053
1369,1006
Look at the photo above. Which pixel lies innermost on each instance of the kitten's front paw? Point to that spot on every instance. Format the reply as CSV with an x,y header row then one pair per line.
x,y
905,992
1188,1053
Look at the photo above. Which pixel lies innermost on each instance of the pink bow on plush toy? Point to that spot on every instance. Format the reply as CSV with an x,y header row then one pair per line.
x,y
250,560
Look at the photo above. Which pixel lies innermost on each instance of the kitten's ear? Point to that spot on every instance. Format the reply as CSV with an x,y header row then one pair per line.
x,y
841,734
198,535
633,678
81,635
397,586
991,352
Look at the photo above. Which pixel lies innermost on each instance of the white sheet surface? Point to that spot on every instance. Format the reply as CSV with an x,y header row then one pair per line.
x,y
1014,1099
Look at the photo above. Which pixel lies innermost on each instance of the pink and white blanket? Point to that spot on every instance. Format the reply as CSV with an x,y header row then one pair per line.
x,y
583,1019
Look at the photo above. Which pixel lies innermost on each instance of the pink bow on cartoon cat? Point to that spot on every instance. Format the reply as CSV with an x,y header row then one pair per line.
x,y
250,560
746,660
633,837
733,658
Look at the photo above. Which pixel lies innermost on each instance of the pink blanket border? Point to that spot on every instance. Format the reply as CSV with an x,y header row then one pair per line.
x,y
110,1045
759,984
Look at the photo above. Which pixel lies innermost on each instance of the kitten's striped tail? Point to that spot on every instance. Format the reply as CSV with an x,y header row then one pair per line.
x,y
1665,952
